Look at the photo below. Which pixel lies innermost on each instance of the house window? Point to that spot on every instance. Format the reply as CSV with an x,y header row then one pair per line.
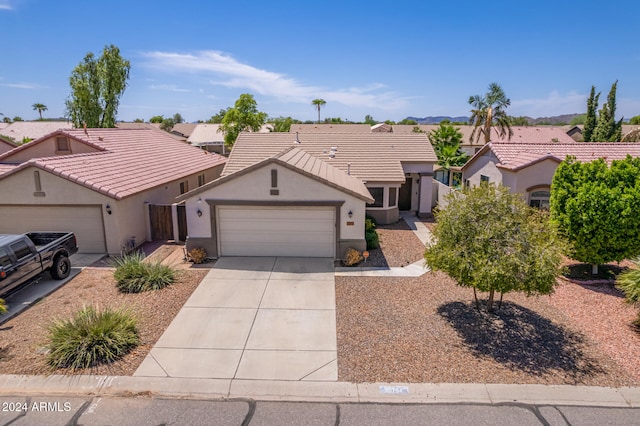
x,y
201,179
62,145
392,197
378,196
484,179
274,178
467,183
540,199
184,187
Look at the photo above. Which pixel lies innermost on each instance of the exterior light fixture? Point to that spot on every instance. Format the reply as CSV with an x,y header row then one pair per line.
x,y
199,213
350,214
108,209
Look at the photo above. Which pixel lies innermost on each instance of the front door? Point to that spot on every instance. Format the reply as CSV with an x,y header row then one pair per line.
x,y
404,196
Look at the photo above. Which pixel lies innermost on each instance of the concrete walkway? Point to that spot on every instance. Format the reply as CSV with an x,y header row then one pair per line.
x,y
263,318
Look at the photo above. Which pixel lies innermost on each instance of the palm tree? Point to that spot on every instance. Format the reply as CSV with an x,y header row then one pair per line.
x,y
39,107
318,103
489,110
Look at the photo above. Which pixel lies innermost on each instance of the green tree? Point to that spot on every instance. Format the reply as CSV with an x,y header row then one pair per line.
x,y
369,120
408,121
97,84
138,120
156,119
635,120
39,107
244,116
490,240
446,142
590,119
281,124
519,121
607,129
318,103
17,118
488,111
595,207
167,124
177,118
577,120
217,118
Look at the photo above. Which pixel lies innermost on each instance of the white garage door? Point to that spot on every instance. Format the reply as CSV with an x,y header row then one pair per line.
x,y
276,231
84,221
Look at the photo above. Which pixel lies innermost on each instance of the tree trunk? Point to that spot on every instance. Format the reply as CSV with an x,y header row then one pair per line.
x,y
594,269
500,303
490,300
475,296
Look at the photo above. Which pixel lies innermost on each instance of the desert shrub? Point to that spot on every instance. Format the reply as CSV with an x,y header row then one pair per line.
x,y
372,239
352,257
368,217
91,337
3,307
198,255
133,275
629,282
369,225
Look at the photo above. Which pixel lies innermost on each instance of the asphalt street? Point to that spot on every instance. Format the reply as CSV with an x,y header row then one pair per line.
x,y
64,410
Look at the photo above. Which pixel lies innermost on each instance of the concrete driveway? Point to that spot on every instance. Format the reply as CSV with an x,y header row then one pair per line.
x,y
267,318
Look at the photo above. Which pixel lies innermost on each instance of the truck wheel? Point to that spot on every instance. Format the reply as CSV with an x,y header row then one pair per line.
x,y
61,267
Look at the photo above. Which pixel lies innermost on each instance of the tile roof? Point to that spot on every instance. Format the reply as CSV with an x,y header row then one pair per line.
x,y
515,156
148,126
184,129
330,128
204,133
19,130
371,157
6,145
521,134
129,161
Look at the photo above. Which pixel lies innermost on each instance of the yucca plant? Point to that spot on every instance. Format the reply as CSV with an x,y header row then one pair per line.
x,y
629,282
91,337
133,275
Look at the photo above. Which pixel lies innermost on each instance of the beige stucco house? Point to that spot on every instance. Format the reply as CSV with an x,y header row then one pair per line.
x,y
307,194
528,169
98,183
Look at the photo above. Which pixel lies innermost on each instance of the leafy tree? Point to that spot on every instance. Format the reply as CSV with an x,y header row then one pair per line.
x,y
97,84
635,120
489,239
488,111
177,118
607,129
446,142
389,122
282,124
369,120
590,119
519,121
217,118
6,120
577,120
318,103
39,107
242,117
156,119
335,120
409,122
138,120
595,206
17,118
167,124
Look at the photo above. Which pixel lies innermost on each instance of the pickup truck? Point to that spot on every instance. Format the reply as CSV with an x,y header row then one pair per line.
x,y
25,257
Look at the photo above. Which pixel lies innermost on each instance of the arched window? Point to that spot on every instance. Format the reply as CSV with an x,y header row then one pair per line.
x,y
540,199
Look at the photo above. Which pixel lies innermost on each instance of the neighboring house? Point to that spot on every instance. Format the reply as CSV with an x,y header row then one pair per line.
x,y
528,168
330,128
22,130
382,128
98,183
208,137
307,194
6,145
148,126
184,129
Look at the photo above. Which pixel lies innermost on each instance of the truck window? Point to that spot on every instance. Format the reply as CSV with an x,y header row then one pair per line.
x,y
21,249
4,258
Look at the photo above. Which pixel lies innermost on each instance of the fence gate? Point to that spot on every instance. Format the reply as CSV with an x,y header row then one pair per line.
x,y
182,222
161,222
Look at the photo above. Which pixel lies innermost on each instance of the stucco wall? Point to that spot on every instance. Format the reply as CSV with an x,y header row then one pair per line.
x,y
292,186
47,148
484,165
539,174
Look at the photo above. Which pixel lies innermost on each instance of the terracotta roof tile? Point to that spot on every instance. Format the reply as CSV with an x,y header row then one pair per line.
x,y
371,157
130,161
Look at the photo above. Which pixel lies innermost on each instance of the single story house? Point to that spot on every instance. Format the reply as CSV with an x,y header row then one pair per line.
x,y
98,183
6,145
307,194
21,131
528,168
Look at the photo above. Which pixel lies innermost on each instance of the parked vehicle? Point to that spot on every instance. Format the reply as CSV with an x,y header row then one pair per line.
x,y
25,257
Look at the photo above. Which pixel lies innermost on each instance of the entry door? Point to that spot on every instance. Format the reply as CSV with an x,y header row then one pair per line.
x,y
404,196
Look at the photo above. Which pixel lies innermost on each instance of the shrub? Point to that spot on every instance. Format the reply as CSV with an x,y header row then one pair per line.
x,y
372,239
91,337
369,225
198,255
133,275
3,307
352,257
371,219
629,283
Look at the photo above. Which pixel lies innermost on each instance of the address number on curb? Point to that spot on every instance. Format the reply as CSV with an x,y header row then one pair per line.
x,y
398,390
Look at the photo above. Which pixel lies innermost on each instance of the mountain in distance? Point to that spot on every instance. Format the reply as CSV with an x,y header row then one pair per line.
x,y
554,120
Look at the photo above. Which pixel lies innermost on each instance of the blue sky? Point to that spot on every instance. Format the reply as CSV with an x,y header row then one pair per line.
x,y
387,59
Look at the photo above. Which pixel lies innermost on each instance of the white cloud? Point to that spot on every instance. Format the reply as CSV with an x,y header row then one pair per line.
x,y
168,87
5,5
21,85
224,70
554,104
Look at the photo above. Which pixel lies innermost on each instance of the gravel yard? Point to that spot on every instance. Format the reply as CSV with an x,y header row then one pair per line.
x,y
427,329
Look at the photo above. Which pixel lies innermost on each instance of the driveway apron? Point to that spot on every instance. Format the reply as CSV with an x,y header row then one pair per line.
x,y
259,318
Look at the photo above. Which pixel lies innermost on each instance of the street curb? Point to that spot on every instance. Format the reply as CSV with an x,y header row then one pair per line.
x,y
309,391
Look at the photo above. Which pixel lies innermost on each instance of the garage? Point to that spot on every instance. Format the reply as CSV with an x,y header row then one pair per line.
x,y
300,231
83,220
